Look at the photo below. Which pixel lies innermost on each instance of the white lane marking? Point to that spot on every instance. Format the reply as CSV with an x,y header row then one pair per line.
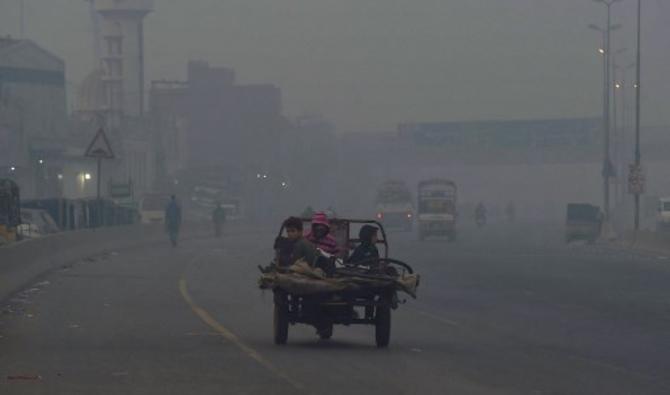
x,y
438,318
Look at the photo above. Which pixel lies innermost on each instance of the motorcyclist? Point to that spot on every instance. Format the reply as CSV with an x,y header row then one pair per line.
x,y
510,211
218,218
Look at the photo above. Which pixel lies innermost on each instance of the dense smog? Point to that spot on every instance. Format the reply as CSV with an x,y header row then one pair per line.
x,y
330,197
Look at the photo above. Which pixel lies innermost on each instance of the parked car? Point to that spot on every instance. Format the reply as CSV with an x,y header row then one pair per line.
x,y
152,208
36,223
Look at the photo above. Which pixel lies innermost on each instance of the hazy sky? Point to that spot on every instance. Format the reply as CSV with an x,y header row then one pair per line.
x,y
369,64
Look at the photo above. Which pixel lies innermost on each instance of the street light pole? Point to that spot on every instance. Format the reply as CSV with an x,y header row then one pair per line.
x,y
615,127
638,88
607,164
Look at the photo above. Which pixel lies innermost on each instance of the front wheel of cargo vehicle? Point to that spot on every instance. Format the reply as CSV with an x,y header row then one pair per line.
x,y
383,326
280,324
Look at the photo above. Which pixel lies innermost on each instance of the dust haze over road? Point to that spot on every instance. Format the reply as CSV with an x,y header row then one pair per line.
x,y
505,146
526,314
370,64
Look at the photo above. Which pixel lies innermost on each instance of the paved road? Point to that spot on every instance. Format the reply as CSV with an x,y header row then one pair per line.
x,y
502,311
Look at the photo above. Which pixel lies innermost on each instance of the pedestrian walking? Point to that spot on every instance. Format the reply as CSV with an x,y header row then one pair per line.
x,y
173,220
218,218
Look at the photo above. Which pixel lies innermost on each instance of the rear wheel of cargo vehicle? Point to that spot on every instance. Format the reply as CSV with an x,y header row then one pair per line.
x,y
326,332
280,323
383,326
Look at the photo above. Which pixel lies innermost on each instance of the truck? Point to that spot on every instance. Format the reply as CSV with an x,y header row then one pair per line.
x,y
663,215
583,221
394,206
437,208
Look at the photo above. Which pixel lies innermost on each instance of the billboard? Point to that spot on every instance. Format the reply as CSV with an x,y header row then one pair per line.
x,y
583,132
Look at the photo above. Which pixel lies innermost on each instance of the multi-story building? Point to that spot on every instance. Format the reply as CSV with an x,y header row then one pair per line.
x,y
229,123
210,121
33,117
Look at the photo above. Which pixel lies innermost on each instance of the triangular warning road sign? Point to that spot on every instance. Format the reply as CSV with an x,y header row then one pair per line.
x,y
99,147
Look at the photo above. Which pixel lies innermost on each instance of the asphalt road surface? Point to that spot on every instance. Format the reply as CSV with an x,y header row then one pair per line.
x,y
504,310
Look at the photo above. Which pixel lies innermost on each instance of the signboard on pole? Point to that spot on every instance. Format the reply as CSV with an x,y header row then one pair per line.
x,y
121,190
99,147
636,180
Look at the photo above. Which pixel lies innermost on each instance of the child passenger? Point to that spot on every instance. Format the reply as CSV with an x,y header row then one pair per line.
x,y
367,250
296,247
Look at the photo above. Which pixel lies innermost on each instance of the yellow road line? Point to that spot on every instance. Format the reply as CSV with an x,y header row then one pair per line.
x,y
230,336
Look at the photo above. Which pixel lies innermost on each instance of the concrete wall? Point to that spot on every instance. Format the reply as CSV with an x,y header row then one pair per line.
x,y
24,261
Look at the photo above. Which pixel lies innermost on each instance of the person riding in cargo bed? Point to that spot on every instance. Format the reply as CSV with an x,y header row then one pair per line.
x,y
367,250
320,234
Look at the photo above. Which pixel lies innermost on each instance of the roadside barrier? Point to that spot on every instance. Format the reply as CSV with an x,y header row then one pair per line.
x,y
24,261
645,240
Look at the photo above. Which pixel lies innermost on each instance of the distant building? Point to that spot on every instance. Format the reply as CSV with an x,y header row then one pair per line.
x,y
33,116
168,104
122,50
210,121
231,123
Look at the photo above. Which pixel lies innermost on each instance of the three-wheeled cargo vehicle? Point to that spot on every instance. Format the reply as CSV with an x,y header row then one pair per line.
x,y
361,293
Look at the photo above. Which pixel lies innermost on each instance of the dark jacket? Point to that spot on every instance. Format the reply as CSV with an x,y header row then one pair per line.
x,y
364,252
290,251
219,215
173,216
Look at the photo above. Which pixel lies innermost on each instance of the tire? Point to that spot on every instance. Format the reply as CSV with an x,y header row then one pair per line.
x,y
383,326
280,324
326,332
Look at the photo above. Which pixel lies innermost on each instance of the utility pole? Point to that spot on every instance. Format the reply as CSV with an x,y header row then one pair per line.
x,y
22,19
615,127
617,137
623,159
607,163
638,88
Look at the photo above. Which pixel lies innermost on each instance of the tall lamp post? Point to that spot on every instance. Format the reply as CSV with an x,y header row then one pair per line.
x,y
615,126
607,164
638,88
626,117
